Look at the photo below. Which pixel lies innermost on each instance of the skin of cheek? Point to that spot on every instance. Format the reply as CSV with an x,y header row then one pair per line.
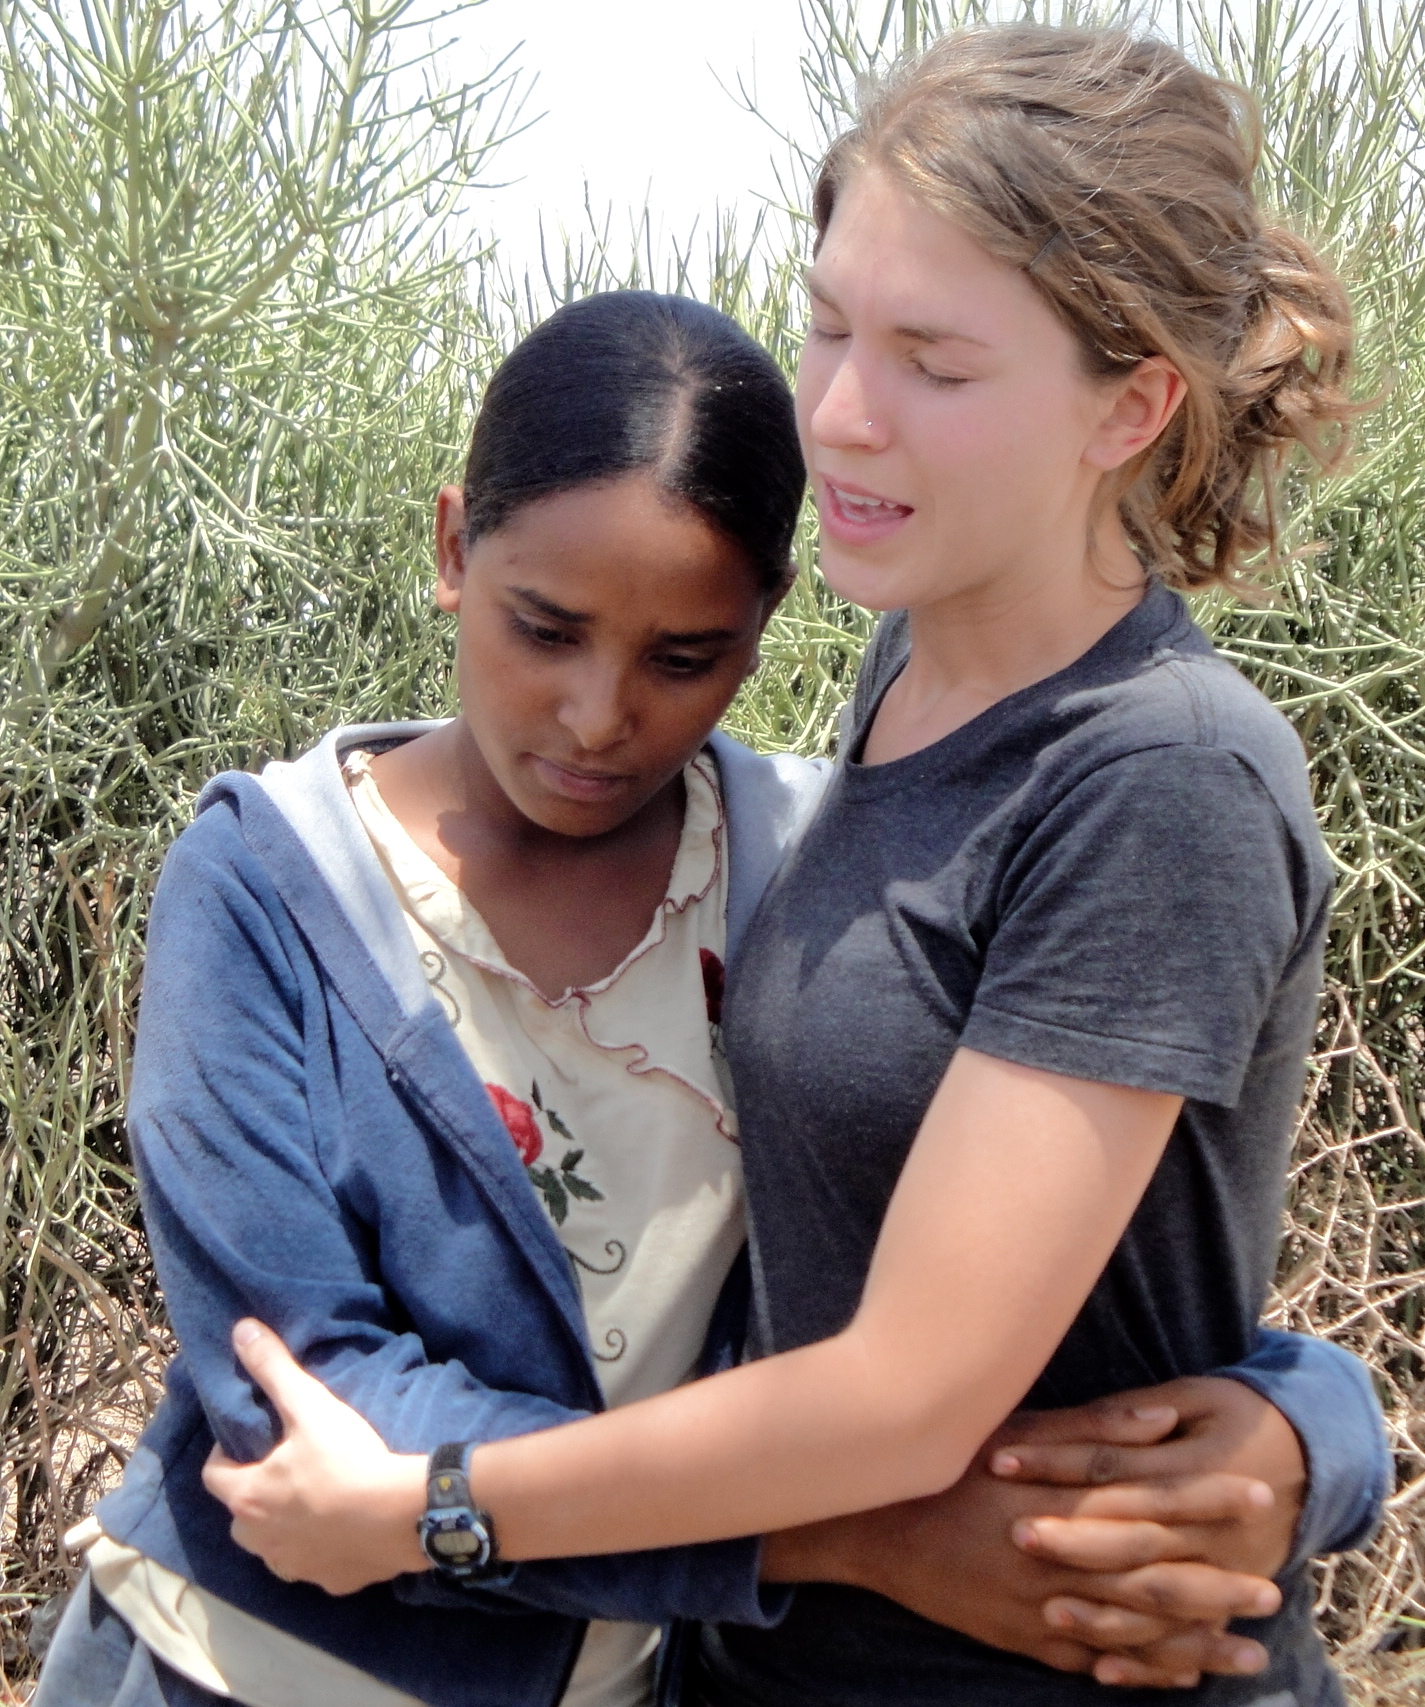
x,y
994,485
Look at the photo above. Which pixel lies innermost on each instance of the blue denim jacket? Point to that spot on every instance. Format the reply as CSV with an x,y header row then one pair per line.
x,y
315,1149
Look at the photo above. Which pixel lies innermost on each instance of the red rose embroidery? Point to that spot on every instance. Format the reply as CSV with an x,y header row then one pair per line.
x,y
712,984
519,1122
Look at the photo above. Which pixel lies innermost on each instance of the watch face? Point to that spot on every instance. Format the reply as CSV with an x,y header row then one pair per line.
x,y
455,1538
458,1545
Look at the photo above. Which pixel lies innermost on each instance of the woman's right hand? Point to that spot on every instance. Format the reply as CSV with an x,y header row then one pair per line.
x,y
330,1504
1135,1581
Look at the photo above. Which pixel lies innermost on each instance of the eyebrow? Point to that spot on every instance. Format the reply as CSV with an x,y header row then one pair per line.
x,y
702,637
916,334
547,607
939,335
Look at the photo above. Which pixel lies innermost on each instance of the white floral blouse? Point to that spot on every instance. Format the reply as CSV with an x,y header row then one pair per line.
x,y
617,1099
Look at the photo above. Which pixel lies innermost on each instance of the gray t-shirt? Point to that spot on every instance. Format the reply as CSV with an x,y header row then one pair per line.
x,y
1114,874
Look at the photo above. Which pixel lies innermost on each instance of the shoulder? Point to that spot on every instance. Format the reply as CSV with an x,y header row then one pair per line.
x,y
295,813
768,797
1187,710
213,850
259,840
1186,768
1190,694
219,939
217,906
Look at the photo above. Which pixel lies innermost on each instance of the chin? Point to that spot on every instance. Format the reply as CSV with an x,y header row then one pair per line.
x,y
908,584
869,585
562,819
574,818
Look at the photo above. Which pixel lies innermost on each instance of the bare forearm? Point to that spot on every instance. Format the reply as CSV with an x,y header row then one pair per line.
x,y
771,1446
1003,1240
832,1551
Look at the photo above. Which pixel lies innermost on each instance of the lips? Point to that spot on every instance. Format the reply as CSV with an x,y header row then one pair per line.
x,y
575,783
856,516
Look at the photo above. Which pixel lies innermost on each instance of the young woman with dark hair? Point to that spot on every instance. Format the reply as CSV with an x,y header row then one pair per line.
x,y
538,898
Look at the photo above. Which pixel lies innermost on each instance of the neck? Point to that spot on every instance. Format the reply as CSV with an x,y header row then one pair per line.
x,y
988,641
976,646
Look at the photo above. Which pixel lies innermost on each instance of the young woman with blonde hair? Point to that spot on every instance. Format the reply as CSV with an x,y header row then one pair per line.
x,y
1018,1028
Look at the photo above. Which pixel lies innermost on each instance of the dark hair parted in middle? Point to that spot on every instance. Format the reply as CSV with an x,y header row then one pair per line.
x,y
631,380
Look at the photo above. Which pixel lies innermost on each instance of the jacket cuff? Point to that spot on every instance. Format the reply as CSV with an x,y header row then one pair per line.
x,y
716,1582
1327,1396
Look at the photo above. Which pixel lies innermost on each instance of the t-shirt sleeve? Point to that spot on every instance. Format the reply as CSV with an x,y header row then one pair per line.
x,y
1143,927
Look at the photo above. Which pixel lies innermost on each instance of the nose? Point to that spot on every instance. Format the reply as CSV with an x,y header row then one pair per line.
x,y
846,416
597,708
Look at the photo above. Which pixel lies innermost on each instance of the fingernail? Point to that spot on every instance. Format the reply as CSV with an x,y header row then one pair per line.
x,y
1154,1413
1249,1660
1259,1494
1025,1536
246,1331
1267,1601
1061,1618
1005,1464
1111,1671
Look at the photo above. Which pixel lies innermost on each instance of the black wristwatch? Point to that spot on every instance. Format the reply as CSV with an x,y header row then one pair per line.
x,y
456,1536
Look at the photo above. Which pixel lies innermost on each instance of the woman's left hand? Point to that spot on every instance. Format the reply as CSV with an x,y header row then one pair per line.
x,y
330,1505
1121,1552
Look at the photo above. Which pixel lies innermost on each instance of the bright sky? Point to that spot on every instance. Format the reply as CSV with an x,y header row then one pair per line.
x,y
633,104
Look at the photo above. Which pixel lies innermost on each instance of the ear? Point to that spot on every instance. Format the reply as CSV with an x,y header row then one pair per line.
x,y
1140,408
450,547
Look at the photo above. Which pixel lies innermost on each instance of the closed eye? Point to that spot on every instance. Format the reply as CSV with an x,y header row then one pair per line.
x,y
684,664
943,380
540,633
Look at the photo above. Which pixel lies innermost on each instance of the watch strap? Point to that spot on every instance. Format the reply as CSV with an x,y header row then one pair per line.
x,y
450,1512
445,1476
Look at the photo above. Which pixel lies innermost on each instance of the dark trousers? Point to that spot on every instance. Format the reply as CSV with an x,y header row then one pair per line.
x,y
96,1660
701,1688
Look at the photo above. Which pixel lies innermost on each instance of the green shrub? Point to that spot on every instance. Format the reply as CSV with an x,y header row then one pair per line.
x,y
237,360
